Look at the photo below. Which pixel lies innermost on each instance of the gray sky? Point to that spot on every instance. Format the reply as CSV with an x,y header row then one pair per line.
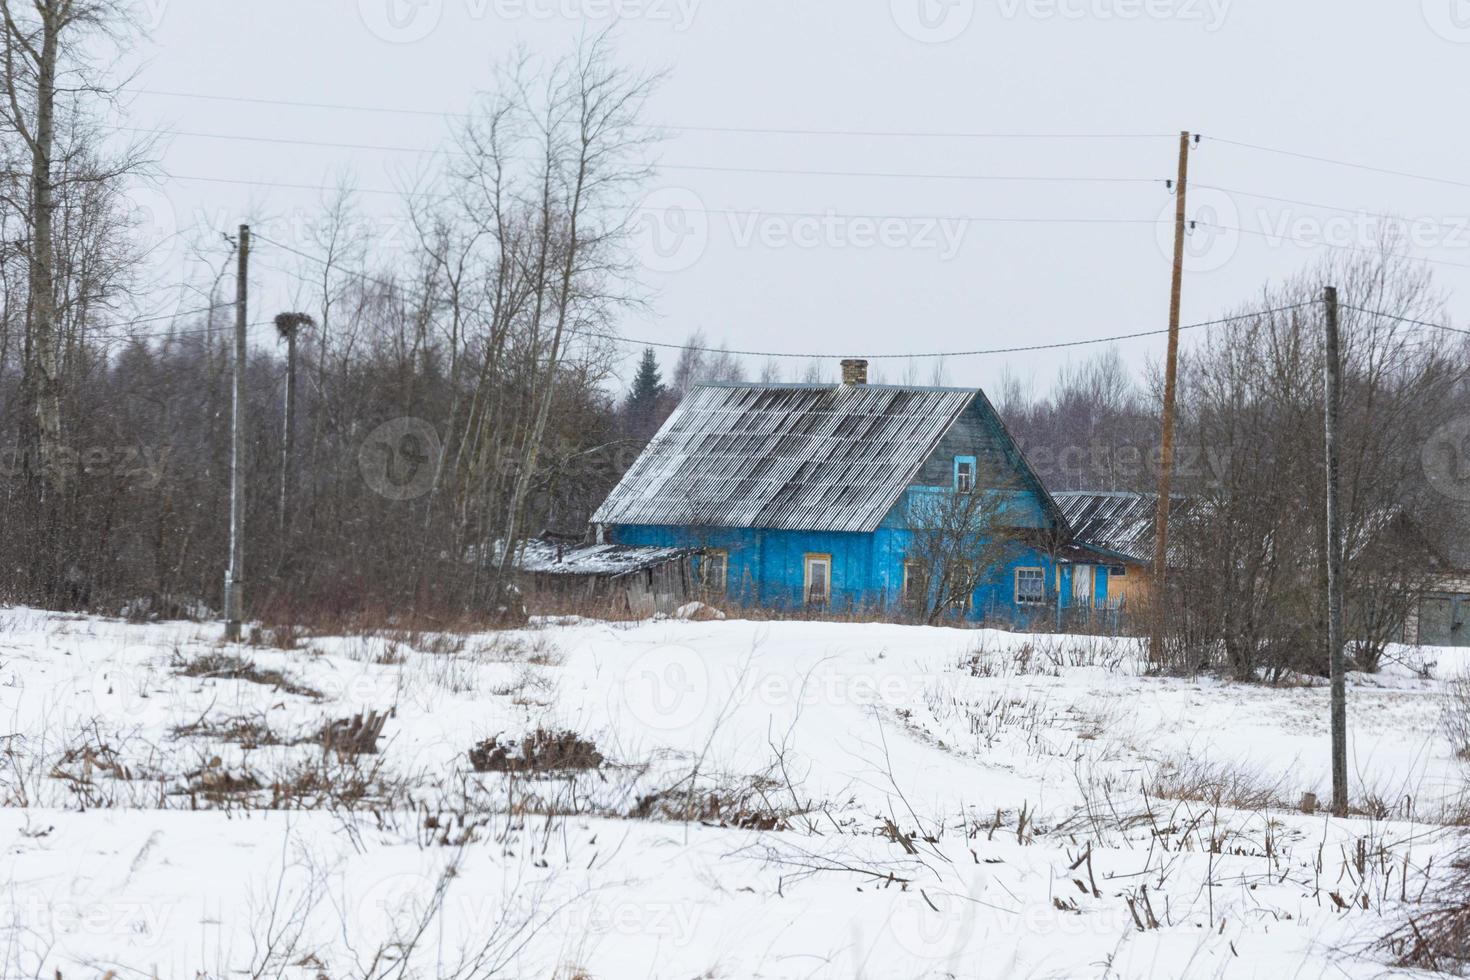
x,y
779,261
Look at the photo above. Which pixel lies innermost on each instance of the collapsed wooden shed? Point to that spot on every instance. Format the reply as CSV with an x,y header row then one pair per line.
x,y
610,578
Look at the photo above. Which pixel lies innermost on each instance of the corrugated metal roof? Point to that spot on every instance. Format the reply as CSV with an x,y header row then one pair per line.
x,y
787,457
1118,521
550,557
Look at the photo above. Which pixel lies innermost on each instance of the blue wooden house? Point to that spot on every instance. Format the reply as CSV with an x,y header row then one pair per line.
x,y
802,495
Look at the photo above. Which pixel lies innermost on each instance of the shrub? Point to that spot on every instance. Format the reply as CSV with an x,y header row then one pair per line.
x,y
541,751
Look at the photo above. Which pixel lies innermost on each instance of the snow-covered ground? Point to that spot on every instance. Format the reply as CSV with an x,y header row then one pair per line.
x,y
776,799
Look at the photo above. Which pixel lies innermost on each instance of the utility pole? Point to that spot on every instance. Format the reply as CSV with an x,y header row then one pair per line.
x,y
1334,561
288,326
235,574
1171,374
288,437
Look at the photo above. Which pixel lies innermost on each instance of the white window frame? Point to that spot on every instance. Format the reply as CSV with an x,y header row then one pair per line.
x,y
1037,574
964,475
807,561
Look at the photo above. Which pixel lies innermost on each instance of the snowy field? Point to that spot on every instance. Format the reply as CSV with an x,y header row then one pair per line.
x,y
775,800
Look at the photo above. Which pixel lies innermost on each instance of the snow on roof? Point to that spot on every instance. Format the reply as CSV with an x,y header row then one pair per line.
x,y
789,457
1120,521
553,558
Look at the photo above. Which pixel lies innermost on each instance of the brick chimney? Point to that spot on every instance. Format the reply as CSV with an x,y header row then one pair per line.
x,y
854,372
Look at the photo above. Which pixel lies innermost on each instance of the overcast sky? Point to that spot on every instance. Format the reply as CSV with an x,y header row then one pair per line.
x,y
786,261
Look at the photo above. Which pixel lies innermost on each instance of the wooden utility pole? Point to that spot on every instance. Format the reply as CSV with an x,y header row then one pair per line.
x,y
1171,374
235,573
1334,561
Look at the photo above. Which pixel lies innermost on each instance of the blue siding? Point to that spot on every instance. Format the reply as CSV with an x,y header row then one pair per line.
x,y
767,567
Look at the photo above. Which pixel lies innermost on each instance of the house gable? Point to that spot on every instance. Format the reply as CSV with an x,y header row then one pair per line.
x,y
978,434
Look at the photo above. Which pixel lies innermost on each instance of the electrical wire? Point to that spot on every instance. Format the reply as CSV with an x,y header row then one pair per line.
x,y
1341,163
636,342
1382,215
1406,319
737,130
697,168
1200,222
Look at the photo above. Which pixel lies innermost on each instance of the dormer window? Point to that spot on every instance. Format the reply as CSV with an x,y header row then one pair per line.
x,y
964,474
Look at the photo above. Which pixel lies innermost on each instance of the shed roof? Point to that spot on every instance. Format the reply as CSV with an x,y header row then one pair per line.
x,y
787,457
1120,521
554,558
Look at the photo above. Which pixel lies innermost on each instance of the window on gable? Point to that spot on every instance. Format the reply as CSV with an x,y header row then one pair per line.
x,y
964,474
1030,586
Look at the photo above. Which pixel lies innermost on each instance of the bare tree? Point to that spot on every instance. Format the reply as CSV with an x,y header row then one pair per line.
x,y
44,42
1252,551
961,538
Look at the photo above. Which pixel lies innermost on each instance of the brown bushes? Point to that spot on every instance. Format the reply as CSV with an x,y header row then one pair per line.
x,y
541,751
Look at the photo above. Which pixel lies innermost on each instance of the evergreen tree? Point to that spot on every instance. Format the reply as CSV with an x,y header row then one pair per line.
x,y
647,394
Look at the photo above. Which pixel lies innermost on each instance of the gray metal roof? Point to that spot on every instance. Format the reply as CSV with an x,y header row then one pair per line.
x,y
787,457
1122,522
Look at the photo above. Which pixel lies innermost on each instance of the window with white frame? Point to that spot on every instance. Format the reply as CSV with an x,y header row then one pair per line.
x,y
1030,586
964,474
818,584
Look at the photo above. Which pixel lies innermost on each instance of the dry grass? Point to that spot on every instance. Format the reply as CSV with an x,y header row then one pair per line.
x,y
244,731
226,666
1439,939
1457,716
1223,785
540,751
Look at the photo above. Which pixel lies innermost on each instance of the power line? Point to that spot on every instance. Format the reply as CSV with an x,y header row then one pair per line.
x,y
997,219
1341,163
695,168
1382,215
739,130
1406,319
1058,345
782,171
632,341
1318,244
739,212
